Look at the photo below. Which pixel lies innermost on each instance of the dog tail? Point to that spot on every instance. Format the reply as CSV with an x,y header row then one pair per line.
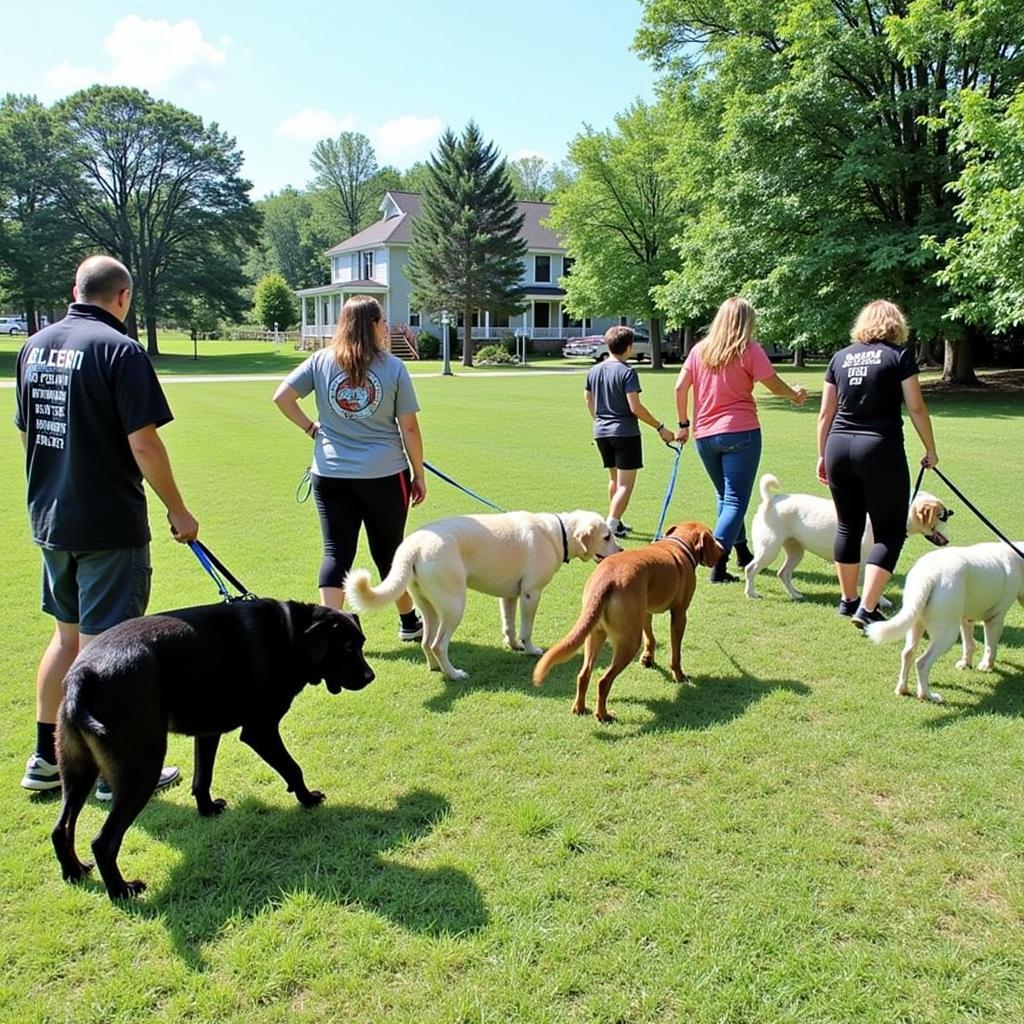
x,y
769,485
915,596
365,598
573,640
74,716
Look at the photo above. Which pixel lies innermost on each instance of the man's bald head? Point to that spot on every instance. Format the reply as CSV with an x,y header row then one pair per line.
x,y
101,280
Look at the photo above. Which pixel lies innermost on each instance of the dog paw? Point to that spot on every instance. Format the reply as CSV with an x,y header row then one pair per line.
x,y
533,650
680,677
127,890
931,696
457,674
901,691
78,872
647,660
986,666
211,808
513,644
963,663
605,718
580,709
313,798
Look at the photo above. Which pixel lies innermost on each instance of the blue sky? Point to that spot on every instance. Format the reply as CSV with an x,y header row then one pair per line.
x,y
280,76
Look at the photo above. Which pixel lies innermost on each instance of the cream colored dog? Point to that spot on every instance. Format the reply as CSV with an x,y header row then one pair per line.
x,y
511,556
804,522
948,591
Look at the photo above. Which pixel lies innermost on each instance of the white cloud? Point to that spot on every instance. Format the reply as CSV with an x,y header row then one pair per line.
x,y
148,53
310,125
405,139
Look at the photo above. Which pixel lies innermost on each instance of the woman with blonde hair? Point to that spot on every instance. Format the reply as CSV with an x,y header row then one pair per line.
x,y
721,370
365,438
861,457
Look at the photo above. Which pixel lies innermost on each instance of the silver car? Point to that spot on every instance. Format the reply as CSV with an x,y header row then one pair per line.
x,y
13,325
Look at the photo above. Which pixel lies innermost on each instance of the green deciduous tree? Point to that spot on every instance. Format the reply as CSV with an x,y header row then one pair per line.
x,y
618,217
38,247
531,178
161,191
274,303
345,169
825,160
466,252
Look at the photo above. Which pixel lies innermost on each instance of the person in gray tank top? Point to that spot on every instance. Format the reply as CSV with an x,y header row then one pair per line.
x,y
367,448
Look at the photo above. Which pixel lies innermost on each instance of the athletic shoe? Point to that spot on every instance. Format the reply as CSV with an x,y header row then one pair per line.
x,y
744,556
622,530
722,577
861,617
169,775
847,608
413,632
40,776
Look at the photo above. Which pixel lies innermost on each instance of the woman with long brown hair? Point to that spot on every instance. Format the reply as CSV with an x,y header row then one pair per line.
x,y
721,370
365,439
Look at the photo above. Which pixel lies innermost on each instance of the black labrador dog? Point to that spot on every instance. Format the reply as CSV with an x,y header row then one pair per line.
x,y
200,671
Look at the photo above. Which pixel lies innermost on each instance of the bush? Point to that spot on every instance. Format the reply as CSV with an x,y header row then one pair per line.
x,y
496,354
428,346
273,302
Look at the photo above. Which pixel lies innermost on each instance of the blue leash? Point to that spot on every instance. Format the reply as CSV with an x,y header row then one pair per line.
x,y
302,492
211,563
671,487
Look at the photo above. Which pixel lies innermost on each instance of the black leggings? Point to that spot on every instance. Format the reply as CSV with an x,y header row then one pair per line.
x,y
868,478
344,506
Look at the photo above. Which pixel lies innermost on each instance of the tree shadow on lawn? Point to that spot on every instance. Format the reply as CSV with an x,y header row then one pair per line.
x,y
252,857
273,361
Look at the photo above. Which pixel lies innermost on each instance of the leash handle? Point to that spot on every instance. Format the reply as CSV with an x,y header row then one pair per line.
x,y
465,490
668,493
213,565
988,522
305,488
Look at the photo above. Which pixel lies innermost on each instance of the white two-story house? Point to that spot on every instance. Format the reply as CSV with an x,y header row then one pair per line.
x,y
373,262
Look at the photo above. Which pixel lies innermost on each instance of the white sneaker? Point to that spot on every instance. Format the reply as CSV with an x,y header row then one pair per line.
x,y
40,775
168,776
411,632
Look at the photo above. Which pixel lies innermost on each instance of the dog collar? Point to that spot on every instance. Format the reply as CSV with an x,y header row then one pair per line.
x,y
565,539
687,549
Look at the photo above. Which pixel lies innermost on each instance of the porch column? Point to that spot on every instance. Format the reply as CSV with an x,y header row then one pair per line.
x,y
302,324
316,321
559,320
487,324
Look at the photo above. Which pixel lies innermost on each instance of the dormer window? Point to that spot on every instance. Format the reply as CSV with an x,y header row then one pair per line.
x,y
367,266
542,268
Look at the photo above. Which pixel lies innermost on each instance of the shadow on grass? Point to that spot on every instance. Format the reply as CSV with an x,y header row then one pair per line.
x,y
273,361
250,858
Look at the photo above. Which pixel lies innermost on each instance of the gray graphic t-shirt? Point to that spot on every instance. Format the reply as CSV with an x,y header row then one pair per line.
x,y
359,436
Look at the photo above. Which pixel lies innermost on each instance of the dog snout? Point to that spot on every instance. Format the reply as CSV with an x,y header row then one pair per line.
x,y
945,514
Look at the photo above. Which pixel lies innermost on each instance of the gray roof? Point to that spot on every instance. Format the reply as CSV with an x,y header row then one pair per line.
x,y
397,230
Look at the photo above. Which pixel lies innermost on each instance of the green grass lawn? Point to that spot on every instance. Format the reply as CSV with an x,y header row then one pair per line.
x,y
783,841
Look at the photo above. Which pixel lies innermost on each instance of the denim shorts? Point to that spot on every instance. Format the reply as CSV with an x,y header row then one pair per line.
x,y
96,589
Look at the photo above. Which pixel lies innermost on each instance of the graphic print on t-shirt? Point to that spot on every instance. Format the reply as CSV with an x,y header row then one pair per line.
x,y
48,377
856,364
353,402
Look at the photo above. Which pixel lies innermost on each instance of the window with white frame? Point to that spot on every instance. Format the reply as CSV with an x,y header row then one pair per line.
x,y
415,319
542,268
367,266
567,262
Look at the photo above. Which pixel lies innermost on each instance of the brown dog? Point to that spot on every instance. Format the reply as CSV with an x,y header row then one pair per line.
x,y
618,601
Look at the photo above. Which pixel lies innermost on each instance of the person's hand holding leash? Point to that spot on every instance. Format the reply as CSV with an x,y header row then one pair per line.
x,y
929,460
800,394
418,490
184,526
683,433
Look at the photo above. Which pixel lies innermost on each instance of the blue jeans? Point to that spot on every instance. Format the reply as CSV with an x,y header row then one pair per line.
x,y
731,461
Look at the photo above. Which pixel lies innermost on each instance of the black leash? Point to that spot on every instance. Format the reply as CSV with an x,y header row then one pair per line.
x,y
967,501
214,566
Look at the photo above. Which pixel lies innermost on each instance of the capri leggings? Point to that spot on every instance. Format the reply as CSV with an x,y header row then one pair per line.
x,y
345,505
869,479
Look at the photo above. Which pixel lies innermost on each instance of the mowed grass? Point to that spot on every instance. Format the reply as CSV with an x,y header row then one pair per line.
x,y
782,841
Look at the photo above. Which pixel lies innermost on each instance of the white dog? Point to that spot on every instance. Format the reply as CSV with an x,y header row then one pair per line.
x,y
803,522
948,591
511,556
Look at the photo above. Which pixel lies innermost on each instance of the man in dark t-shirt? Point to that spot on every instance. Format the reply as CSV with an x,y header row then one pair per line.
x,y
88,408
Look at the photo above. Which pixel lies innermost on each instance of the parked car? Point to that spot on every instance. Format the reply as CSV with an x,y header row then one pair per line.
x,y
13,325
592,347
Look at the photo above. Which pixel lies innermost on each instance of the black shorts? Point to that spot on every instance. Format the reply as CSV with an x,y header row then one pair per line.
x,y
621,452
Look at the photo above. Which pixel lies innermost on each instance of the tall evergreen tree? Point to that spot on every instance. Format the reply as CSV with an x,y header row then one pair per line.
x,y
466,252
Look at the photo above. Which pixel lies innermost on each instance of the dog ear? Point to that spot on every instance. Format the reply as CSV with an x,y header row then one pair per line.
x,y
317,638
928,514
710,550
671,530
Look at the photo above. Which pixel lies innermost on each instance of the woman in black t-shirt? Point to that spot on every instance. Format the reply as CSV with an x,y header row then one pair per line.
x,y
861,457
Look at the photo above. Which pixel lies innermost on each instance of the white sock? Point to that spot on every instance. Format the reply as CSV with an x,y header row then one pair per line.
x,y
613,523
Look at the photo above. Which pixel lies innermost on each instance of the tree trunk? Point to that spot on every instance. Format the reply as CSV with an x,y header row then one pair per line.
x,y
132,323
958,366
467,341
655,343
687,340
152,346
798,356
31,317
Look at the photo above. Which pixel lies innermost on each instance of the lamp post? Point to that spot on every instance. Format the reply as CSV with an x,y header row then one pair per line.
x,y
446,320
